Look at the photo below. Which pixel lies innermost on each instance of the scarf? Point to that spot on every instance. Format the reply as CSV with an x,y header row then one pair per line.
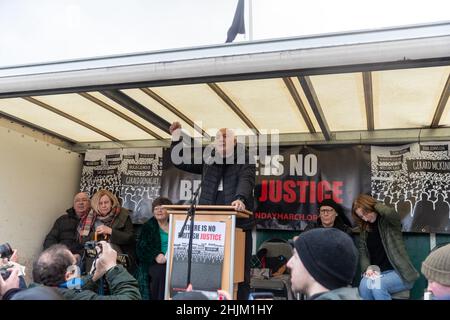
x,y
109,218
85,224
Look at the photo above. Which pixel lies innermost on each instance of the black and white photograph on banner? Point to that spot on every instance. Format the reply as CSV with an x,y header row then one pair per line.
x,y
133,175
289,186
415,180
207,256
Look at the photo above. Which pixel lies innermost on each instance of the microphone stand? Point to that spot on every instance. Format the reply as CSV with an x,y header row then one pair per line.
x,y
190,214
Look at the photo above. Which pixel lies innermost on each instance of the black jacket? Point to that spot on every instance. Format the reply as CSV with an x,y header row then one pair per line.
x,y
238,183
64,231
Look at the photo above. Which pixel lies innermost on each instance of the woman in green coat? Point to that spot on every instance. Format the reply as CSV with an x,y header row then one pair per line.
x,y
384,261
151,250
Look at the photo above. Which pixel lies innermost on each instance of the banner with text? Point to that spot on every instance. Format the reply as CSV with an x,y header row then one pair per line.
x,y
415,180
133,175
207,256
290,185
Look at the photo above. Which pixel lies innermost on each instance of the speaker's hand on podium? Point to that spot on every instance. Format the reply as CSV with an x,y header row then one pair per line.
x,y
238,205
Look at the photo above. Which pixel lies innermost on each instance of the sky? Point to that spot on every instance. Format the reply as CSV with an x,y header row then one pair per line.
x,y
54,30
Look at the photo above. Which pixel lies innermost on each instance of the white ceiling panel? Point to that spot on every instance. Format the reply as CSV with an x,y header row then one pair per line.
x,y
407,98
267,103
44,118
130,114
95,115
201,104
341,97
156,107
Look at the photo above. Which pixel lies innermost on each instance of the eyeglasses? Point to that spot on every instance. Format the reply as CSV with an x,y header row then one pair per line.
x,y
326,211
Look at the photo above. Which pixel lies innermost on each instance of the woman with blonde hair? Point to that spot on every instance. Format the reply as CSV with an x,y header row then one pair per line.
x,y
385,264
109,221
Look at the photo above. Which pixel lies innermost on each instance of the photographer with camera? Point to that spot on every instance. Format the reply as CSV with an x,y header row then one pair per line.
x,y
8,263
56,267
9,274
10,285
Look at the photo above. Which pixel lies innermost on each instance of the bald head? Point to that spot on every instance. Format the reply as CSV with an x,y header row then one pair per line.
x,y
81,204
225,142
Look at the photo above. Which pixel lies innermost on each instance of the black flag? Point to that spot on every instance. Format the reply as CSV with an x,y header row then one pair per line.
x,y
238,25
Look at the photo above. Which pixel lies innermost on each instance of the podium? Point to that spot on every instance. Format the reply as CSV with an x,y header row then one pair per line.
x,y
209,216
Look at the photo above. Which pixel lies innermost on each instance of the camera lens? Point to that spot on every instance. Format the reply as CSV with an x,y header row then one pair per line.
x,y
5,251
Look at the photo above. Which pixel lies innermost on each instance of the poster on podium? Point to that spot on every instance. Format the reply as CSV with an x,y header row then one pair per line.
x,y
207,256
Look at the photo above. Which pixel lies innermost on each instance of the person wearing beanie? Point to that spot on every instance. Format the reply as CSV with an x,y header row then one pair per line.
x,y
331,215
436,269
384,261
324,264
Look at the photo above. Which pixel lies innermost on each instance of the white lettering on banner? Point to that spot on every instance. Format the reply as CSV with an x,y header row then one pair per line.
x,y
303,165
186,189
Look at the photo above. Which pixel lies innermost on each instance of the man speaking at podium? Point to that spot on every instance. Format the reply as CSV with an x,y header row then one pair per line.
x,y
228,178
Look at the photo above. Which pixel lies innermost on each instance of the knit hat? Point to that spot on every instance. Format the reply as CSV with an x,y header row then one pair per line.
x,y
331,203
436,266
329,255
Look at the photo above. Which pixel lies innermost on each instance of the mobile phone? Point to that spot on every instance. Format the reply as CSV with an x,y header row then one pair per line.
x,y
260,296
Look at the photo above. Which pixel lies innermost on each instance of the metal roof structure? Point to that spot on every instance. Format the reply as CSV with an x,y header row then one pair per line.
x,y
376,86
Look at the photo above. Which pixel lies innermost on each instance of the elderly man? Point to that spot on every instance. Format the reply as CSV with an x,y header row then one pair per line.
x,y
64,230
229,179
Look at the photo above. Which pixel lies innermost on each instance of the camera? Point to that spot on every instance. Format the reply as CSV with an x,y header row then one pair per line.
x,y
4,272
91,251
90,247
6,251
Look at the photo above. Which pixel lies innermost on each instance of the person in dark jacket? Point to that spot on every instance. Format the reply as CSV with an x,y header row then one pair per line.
x,y
331,215
324,264
151,250
385,263
55,268
54,273
228,178
64,230
109,221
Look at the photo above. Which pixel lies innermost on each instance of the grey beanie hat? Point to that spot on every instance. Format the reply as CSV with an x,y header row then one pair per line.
x,y
436,266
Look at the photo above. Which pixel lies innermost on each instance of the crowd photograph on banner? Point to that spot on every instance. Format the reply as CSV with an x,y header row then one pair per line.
x,y
225,150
